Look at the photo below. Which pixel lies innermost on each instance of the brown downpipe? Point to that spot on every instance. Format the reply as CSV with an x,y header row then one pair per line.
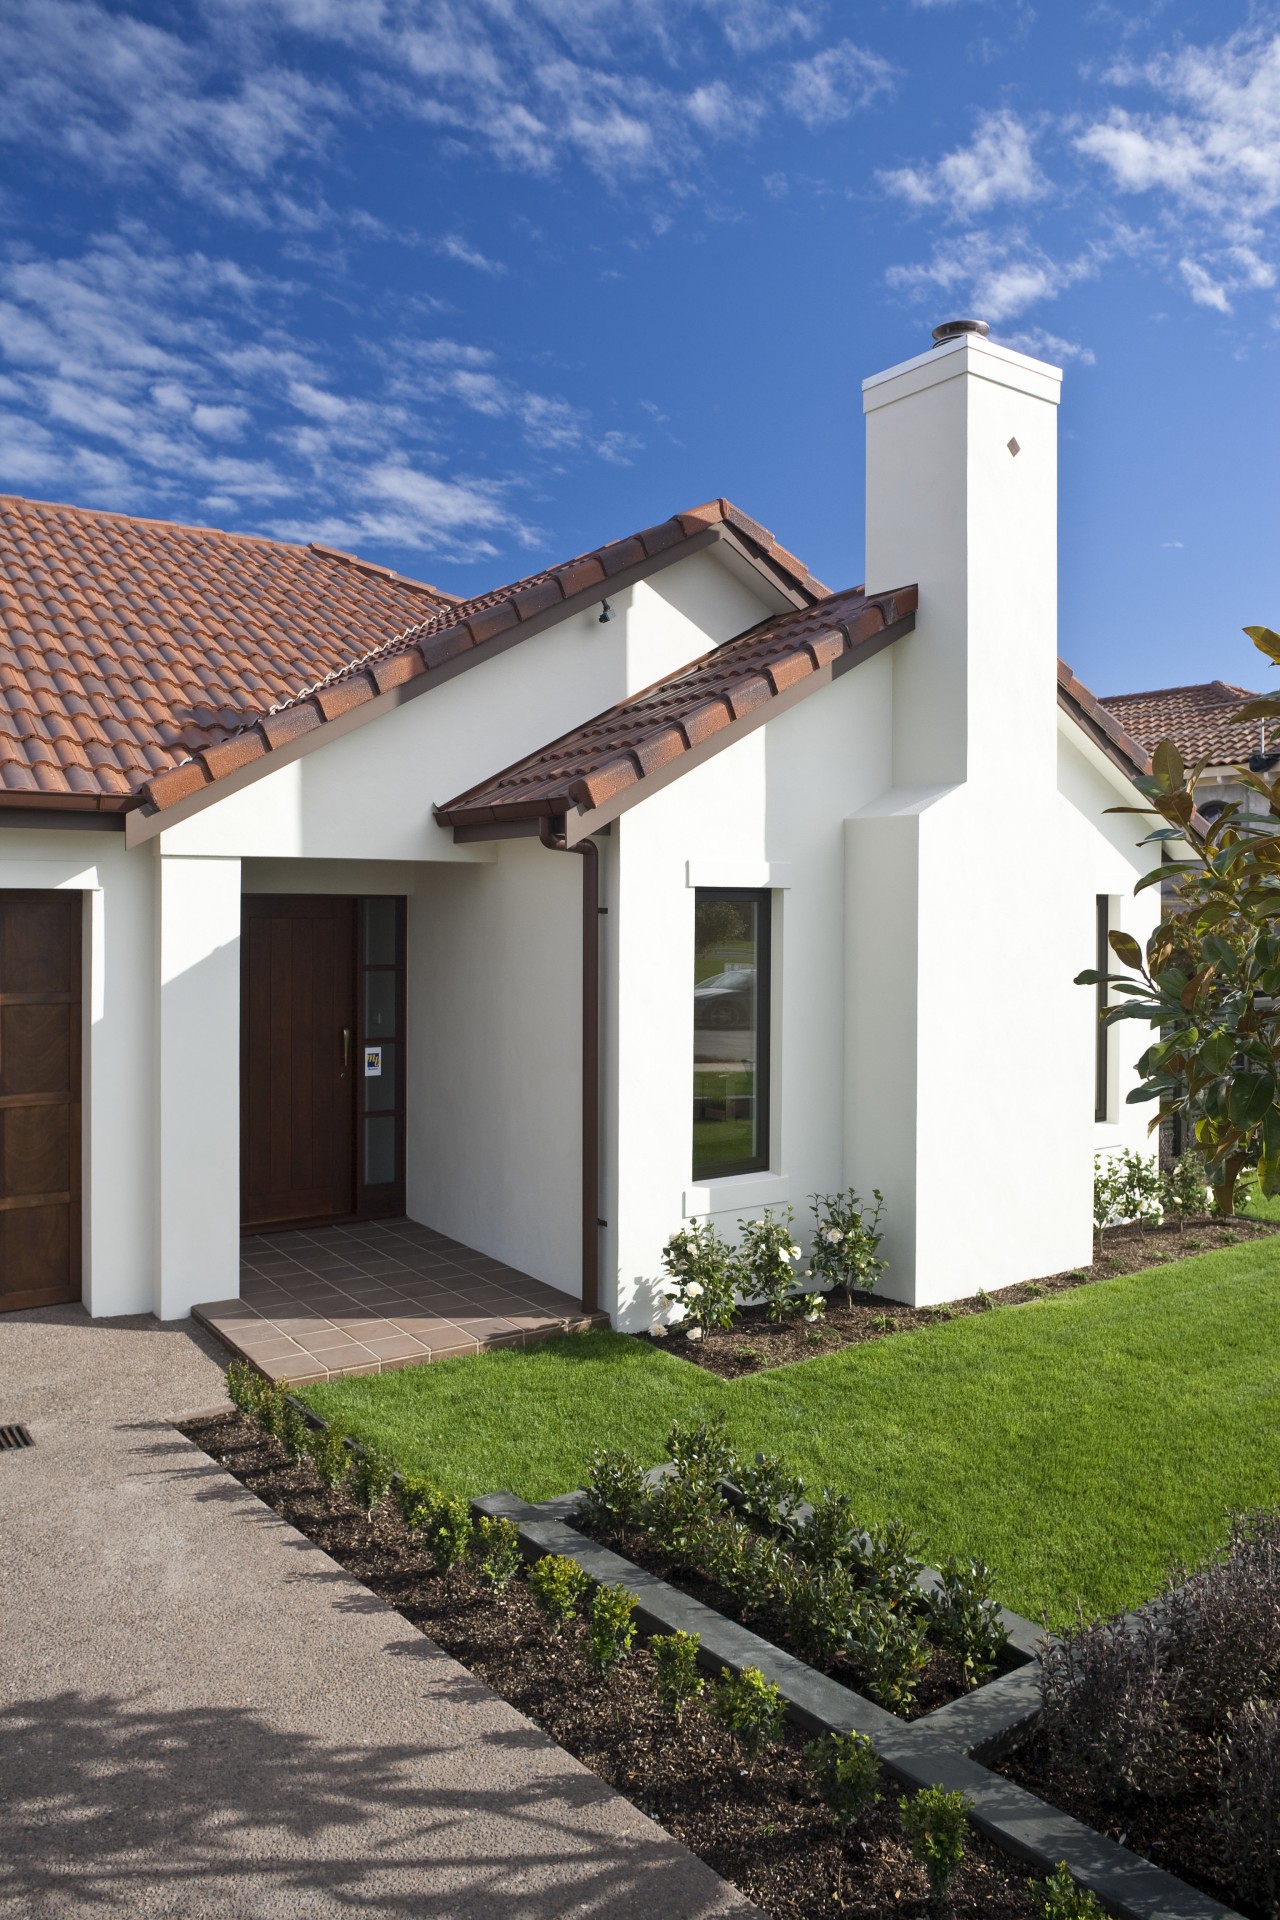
x,y
552,835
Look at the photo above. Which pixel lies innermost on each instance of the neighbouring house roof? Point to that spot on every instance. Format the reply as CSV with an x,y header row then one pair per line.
x,y
126,645
1202,721
596,770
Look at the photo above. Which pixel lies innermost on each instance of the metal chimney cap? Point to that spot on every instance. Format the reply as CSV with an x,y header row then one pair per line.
x,y
951,328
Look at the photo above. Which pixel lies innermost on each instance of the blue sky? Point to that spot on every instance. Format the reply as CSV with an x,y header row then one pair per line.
x,y
469,287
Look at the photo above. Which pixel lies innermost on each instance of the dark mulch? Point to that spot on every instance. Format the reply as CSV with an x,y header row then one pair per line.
x,y
760,1827
754,1343
1176,1831
942,1679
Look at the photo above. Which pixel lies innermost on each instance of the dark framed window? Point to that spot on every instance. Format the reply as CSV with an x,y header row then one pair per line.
x,y
1102,1034
731,1030
380,1063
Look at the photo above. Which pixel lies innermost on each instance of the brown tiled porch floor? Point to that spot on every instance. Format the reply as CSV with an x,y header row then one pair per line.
x,y
318,1303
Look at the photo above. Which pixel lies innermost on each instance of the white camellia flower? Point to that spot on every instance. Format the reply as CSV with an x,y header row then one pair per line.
x,y
693,1289
658,1331
795,1253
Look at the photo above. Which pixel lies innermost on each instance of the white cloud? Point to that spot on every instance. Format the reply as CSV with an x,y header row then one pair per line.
x,y
1208,153
997,276
835,83
454,247
1217,145
1050,346
997,165
122,96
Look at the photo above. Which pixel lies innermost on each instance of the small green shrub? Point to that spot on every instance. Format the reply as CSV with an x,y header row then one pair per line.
x,y
372,1472
675,1655
702,1276
846,1237
1063,1899
935,1824
612,1626
831,1535
616,1489
330,1454
771,1491
417,1500
701,1451
888,1556
820,1606
558,1584
496,1545
965,1619
767,1257
747,1564
847,1775
1126,1187
679,1514
270,1405
888,1646
448,1534
243,1385
1184,1189
749,1707
294,1427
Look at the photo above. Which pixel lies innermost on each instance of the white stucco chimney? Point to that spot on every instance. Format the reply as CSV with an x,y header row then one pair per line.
x,y
962,499
965,918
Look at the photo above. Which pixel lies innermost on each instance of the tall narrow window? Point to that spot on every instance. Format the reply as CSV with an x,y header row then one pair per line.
x,y
1102,1035
730,1031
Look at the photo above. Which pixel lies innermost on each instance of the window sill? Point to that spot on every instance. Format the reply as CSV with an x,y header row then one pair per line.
x,y
736,1192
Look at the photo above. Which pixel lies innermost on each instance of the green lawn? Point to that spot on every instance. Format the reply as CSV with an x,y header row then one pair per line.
x,y
1077,1443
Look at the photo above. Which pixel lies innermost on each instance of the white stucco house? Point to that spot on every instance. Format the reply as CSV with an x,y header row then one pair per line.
x,y
665,883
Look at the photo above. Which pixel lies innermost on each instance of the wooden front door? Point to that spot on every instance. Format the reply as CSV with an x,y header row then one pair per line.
x,y
40,1016
297,1058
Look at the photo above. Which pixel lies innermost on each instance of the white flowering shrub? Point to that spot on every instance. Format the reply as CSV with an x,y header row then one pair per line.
x,y
767,1258
702,1276
1126,1188
846,1237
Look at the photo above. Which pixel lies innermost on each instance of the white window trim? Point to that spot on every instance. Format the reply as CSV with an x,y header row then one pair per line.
x,y
736,1192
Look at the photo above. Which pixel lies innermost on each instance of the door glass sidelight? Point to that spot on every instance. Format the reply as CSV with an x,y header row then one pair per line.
x,y
380,1056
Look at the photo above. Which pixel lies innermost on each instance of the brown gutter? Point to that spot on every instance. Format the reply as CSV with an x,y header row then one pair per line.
x,y
552,835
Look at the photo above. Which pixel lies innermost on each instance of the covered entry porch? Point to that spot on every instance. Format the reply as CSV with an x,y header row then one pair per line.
x,y
321,1302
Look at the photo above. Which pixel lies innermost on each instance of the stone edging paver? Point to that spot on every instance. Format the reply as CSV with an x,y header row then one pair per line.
x,y
936,1750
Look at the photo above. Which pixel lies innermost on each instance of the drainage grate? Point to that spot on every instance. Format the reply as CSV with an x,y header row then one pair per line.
x,y
14,1437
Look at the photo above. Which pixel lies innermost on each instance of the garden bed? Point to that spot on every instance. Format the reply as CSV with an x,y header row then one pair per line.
x,y
755,1343
760,1825
942,1681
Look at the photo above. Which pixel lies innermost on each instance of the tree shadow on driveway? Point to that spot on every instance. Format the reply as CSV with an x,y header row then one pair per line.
x,y
113,1804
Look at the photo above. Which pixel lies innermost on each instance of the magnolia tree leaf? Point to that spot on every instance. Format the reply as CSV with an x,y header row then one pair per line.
x,y
1166,764
1265,641
1126,949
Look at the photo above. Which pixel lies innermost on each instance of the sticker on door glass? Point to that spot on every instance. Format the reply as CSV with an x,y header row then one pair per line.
x,y
373,1063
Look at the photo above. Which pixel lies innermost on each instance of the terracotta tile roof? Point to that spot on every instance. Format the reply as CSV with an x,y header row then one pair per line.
x,y
1102,726
1201,721
443,642
126,644
605,763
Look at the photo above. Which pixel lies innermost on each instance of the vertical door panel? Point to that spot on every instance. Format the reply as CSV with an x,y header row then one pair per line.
x,y
40,1100
297,1090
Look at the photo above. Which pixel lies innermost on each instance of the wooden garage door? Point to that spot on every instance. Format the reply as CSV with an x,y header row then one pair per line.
x,y
39,1098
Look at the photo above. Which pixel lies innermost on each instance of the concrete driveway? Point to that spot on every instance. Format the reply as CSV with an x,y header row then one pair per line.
x,y
202,1714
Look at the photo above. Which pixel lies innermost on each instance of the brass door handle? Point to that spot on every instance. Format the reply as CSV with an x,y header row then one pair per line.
x,y
346,1048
